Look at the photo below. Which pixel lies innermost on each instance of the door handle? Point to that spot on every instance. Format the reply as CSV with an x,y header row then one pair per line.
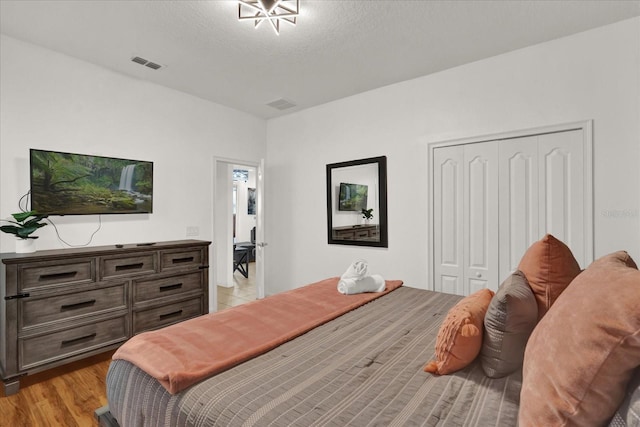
x,y
262,244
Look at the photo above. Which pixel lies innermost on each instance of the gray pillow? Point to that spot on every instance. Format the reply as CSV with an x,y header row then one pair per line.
x,y
628,414
512,315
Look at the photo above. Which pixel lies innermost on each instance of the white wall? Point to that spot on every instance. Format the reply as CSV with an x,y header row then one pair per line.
x,y
592,75
52,101
223,231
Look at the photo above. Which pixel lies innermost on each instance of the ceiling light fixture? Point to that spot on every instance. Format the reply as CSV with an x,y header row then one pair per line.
x,y
273,11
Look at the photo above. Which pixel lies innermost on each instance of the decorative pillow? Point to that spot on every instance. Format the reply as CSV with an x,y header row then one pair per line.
x,y
460,336
510,318
581,356
549,266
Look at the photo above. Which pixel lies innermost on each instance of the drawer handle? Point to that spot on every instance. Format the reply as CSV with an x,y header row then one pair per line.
x,y
181,260
170,287
79,339
17,296
54,276
172,314
129,266
78,305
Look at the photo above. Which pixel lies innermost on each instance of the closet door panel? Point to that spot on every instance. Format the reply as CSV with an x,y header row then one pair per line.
x,y
518,203
448,219
561,207
493,199
481,216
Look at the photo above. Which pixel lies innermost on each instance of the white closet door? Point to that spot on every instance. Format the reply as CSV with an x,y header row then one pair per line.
x,y
481,217
493,199
448,219
518,200
562,189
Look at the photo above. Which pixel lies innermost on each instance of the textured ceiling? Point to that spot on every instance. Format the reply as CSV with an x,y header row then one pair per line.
x,y
338,48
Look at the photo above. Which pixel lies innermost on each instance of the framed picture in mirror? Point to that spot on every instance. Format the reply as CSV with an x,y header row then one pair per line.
x,y
357,202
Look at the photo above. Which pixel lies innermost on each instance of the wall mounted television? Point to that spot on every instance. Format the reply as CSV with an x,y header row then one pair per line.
x,y
79,184
353,197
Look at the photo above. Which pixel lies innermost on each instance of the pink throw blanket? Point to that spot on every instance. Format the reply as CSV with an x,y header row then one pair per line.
x,y
183,354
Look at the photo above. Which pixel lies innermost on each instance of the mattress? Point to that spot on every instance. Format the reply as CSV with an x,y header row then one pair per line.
x,y
363,368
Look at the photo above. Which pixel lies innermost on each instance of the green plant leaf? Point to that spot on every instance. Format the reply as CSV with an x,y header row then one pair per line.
x,y
10,229
25,224
34,221
21,216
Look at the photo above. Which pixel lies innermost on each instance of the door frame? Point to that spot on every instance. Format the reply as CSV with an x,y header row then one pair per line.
x,y
586,126
219,224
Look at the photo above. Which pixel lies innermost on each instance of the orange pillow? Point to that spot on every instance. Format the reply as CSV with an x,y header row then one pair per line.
x,y
460,336
581,356
549,267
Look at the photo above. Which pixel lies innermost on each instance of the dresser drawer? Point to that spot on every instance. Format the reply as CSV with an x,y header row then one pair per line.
x,y
71,304
165,315
62,272
128,265
181,258
43,349
344,234
361,234
145,290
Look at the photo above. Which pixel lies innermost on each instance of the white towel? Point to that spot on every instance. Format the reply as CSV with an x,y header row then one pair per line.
x,y
373,283
356,270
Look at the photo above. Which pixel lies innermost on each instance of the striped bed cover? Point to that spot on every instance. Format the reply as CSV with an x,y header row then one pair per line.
x,y
362,369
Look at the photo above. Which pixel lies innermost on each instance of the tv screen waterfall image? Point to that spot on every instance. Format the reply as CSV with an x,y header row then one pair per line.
x,y
353,197
78,184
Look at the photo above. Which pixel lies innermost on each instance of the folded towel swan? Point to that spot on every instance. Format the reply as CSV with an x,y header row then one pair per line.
x,y
356,281
373,283
357,270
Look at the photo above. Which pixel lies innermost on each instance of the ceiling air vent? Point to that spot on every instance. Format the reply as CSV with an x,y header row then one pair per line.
x,y
281,104
146,63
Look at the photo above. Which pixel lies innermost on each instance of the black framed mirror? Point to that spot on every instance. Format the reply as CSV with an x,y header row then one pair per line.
x,y
357,202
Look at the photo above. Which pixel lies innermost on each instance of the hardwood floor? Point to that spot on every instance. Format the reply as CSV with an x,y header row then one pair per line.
x,y
64,396
67,396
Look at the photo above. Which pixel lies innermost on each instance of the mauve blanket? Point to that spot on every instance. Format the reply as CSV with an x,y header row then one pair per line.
x,y
183,354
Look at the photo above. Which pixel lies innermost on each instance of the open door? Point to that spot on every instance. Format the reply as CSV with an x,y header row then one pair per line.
x,y
260,242
222,248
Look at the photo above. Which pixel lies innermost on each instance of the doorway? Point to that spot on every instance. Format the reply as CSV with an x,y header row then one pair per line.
x,y
235,214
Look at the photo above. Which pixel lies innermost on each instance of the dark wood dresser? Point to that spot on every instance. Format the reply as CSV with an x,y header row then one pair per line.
x,y
58,306
357,232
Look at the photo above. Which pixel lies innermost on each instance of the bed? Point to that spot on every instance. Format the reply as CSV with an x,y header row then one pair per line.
x,y
363,368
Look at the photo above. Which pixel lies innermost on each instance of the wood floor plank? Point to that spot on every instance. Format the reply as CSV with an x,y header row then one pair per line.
x,y
64,396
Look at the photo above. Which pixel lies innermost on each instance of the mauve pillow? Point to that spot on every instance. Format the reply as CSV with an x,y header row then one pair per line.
x,y
510,318
460,336
583,353
549,266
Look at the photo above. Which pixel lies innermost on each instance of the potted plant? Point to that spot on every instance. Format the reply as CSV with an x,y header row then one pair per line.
x,y
367,214
22,226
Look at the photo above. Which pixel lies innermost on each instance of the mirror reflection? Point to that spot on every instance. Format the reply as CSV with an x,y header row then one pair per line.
x,y
356,202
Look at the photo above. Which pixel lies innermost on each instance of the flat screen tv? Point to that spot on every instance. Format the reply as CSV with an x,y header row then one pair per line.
x,y
353,197
79,184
